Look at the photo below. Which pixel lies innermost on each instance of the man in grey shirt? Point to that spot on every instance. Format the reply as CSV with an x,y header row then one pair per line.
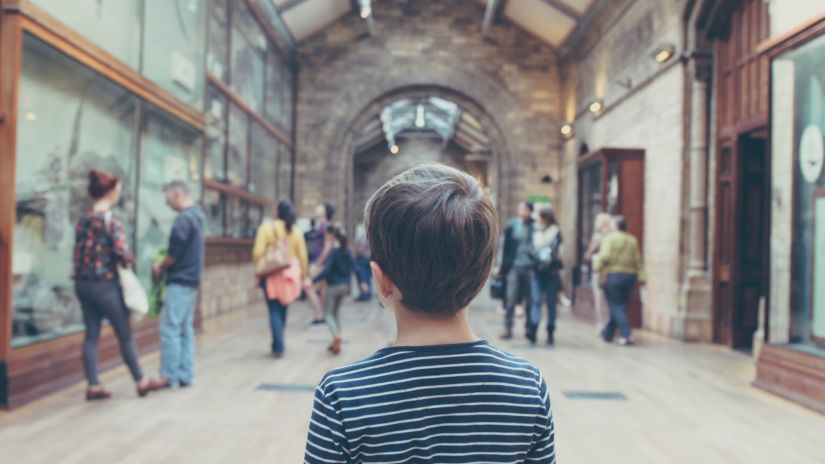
x,y
517,263
183,266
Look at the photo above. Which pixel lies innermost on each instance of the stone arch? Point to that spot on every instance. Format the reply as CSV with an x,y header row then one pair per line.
x,y
485,98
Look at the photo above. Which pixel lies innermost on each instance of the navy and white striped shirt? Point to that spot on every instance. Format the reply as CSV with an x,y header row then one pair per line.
x,y
458,403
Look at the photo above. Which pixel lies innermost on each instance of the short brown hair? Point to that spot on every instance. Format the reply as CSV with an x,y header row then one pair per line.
x,y
434,232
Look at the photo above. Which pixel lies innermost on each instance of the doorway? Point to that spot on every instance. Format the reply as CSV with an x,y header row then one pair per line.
x,y
742,239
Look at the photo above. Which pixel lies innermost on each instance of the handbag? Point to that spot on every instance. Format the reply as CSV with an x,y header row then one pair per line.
x,y
133,293
497,287
274,259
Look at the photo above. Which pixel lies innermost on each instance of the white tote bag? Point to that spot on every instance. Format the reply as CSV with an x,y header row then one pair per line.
x,y
133,293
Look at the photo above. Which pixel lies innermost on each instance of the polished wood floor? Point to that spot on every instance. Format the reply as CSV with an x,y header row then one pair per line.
x,y
666,402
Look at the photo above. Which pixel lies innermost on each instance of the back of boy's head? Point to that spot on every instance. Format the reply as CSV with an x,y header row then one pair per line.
x,y
434,232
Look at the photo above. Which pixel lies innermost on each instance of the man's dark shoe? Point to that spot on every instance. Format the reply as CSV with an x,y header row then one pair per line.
x,y
550,338
507,335
531,335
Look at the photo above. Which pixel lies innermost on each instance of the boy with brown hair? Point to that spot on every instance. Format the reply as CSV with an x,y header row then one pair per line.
x,y
439,393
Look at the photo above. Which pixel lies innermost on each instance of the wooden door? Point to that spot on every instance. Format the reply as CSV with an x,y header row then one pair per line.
x,y
724,294
742,231
753,232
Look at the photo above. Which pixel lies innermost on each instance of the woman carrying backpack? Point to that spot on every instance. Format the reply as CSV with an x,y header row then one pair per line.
x,y
337,274
280,257
546,281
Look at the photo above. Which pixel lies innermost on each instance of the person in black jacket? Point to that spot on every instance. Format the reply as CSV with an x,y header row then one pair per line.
x,y
337,273
517,263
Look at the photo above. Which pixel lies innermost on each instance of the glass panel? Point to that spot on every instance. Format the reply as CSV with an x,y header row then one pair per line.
x,y
173,48
169,151
264,159
213,206
278,91
798,127
236,217
590,201
237,153
113,25
216,112
70,120
254,214
248,49
217,57
613,187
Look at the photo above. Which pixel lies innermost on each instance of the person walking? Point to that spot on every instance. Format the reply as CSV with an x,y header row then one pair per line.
x,y
101,247
318,248
546,281
620,260
363,273
283,287
183,267
603,226
337,273
517,263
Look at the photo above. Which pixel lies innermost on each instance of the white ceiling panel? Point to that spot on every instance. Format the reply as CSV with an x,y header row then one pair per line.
x,y
311,16
541,19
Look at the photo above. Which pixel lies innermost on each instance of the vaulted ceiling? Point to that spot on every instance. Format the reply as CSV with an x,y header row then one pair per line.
x,y
550,20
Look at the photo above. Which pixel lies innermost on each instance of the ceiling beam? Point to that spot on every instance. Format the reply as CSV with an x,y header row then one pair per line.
x,y
278,22
564,9
288,5
489,13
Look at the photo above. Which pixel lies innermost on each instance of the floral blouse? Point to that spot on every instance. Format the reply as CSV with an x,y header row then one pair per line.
x,y
100,246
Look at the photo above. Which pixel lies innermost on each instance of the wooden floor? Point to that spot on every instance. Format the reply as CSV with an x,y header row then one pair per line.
x,y
682,403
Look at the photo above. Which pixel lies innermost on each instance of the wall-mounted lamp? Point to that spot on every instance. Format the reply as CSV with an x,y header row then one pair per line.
x,y
566,130
664,52
596,107
394,149
31,116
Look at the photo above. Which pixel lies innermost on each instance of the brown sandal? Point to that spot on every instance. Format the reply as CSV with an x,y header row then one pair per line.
x,y
98,394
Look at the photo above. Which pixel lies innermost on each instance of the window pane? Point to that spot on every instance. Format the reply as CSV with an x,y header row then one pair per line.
x,y
248,49
236,217
169,151
216,113
278,91
213,205
70,120
217,58
173,48
254,215
113,25
264,159
237,153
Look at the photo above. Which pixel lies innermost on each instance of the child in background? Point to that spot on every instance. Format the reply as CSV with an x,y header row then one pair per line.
x,y
337,273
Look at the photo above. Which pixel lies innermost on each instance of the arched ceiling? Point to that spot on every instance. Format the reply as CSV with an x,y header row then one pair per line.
x,y
553,21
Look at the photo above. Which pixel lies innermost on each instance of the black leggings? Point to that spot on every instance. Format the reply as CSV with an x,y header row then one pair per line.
x,y
103,299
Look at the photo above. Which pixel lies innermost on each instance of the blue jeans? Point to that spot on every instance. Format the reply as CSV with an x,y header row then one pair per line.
x,y
617,292
277,323
544,284
177,334
363,274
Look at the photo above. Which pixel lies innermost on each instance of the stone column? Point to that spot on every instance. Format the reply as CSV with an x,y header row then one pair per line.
x,y
694,318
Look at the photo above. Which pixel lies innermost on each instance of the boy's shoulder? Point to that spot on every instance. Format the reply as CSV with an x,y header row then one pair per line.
x,y
401,361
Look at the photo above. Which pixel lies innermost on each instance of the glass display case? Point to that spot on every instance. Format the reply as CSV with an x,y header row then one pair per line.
x,y
611,180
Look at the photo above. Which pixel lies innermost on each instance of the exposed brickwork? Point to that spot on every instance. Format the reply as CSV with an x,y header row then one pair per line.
x,y
229,281
650,117
510,76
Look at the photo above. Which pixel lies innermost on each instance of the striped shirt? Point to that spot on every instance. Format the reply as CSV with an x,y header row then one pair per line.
x,y
457,403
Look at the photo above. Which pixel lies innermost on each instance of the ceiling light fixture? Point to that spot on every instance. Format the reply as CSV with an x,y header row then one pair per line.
x,y
394,149
664,52
31,116
366,8
420,122
596,107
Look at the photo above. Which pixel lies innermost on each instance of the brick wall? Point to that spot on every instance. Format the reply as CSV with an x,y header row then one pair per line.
x,y
644,108
509,78
229,282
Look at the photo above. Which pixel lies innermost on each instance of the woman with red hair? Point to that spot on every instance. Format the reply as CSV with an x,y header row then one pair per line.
x,y
100,248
